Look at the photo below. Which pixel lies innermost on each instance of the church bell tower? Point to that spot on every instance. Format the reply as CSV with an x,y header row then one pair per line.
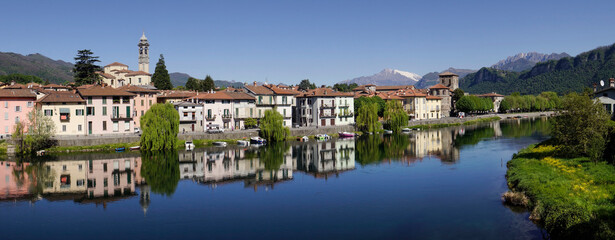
x,y
143,54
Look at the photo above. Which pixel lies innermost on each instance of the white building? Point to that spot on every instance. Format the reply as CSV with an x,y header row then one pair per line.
x,y
117,74
324,107
190,116
272,97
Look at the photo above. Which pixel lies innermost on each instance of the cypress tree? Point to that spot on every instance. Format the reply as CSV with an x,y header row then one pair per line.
x,y
161,78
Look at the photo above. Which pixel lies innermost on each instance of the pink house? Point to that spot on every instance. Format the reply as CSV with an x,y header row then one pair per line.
x,y
111,177
108,110
144,99
15,105
15,181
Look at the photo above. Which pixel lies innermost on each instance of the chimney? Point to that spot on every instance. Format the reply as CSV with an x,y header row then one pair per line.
x,y
612,82
595,85
254,83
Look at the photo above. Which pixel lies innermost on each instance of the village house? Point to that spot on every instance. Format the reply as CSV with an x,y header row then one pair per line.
x,y
495,98
228,110
190,116
144,99
16,104
108,110
172,96
606,96
66,110
445,94
324,107
272,97
117,74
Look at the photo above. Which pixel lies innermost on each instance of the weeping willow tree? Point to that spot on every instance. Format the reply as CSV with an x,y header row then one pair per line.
x,y
273,155
367,118
394,116
272,126
160,126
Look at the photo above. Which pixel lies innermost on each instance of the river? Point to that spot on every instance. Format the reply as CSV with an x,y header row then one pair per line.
x,y
437,184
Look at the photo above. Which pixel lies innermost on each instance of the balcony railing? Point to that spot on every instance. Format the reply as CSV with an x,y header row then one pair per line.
x,y
346,114
328,115
210,117
344,106
64,118
188,119
227,116
120,116
327,105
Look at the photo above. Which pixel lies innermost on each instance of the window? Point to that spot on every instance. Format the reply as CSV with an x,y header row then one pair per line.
x,y
185,114
141,112
80,167
6,104
139,80
104,125
6,129
106,181
6,115
79,127
80,182
251,112
150,102
127,111
29,104
63,128
79,112
284,113
116,100
17,108
116,126
104,111
126,100
126,125
89,100
127,164
104,100
90,111
104,167
16,119
236,112
142,101
116,164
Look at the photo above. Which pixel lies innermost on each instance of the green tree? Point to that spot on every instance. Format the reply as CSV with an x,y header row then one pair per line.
x,y
344,87
21,78
457,94
305,85
394,116
18,138
367,118
581,126
84,71
208,84
193,84
250,123
161,78
160,126
272,126
273,155
161,171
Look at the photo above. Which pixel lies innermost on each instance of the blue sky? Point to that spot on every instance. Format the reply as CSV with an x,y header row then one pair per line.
x,y
324,41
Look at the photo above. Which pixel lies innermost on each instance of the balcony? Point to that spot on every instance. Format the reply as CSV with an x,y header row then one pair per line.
x,y
344,106
227,117
327,105
328,115
210,117
187,119
117,116
346,114
64,117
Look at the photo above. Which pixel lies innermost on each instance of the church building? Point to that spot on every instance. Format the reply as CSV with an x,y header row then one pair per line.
x,y
117,74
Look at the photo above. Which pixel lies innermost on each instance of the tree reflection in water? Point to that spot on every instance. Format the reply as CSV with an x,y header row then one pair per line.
x,y
273,155
375,148
161,171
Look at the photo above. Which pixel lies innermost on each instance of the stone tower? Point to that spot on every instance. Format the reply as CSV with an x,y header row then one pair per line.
x,y
449,80
143,54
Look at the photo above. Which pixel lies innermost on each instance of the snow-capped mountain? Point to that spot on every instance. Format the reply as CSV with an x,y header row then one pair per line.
x,y
387,77
524,61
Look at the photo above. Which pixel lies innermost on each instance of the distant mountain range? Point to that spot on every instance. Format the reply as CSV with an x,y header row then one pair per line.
x,y
387,77
432,78
562,76
525,61
54,71
180,79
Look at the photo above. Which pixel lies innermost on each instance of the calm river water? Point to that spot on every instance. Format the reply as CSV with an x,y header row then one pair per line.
x,y
440,184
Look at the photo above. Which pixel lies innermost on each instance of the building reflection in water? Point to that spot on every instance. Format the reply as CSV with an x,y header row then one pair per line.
x,y
104,178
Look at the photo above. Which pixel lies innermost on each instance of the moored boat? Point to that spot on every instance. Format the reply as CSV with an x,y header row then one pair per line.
x,y
243,143
189,145
220,144
406,130
388,132
303,139
257,140
135,148
346,134
322,137
120,149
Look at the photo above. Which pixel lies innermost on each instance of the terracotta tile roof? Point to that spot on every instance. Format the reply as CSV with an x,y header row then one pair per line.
x,y
389,96
53,85
240,96
176,94
104,91
447,74
392,88
20,93
279,91
258,90
490,95
121,71
85,86
133,88
15,86
433,98
438,86
137,73
223,95
324,92
54,96
106,75
117,64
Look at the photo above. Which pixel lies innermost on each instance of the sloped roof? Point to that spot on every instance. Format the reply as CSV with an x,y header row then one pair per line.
x,y
137,73
324,92
223,95
133,88
53,96
104,91
53,85
177,94
240,96
17,93
15,86
279,91
259,90
492,94
447,74
433,98
438,86
117,64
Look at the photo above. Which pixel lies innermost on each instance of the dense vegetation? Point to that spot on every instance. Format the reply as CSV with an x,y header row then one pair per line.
x,y
344,87
527,103
21,78
305,85
394,116
85,68
367,118
55,71
33,135
474,104
568,180
561,76
272,126
161,171
200,85
161,78
359,102
160,126
250,123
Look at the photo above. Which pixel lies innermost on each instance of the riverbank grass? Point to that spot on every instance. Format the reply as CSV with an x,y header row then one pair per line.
x,y
570,197
443,125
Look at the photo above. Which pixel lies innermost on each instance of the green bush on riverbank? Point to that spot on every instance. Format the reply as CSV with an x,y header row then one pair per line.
x,y
571,198
443,125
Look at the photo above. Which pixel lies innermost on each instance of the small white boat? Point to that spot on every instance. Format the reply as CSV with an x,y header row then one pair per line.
x,y
257,140
243,143
189,145
388,132
303,139
220,144
135,148
406,130
40,153
322,137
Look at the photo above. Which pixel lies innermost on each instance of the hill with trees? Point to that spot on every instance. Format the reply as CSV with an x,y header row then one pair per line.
x,y
569,74
54,71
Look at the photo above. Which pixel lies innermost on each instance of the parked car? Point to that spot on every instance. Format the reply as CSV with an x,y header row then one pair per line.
x,y
137,130
214,128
